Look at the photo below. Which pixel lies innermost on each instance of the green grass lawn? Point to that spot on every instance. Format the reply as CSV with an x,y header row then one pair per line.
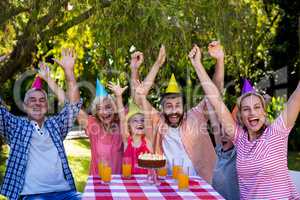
x,y
78,152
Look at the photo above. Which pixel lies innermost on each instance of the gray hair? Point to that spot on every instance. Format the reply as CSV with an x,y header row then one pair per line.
x,y
99,100
27,94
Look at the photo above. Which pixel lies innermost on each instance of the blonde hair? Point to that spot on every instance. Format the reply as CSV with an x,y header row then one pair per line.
x,y
100,100
241,98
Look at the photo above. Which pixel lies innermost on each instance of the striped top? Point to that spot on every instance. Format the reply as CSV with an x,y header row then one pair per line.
x,y
262,163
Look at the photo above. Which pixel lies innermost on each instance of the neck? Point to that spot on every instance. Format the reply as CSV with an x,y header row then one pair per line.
x,y
255,134
39,122
136,139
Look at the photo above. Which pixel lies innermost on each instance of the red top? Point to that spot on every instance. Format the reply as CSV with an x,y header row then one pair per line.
x,y
133,153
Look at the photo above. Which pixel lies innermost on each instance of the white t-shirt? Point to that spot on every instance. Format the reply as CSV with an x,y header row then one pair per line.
x,y
175,152
44,172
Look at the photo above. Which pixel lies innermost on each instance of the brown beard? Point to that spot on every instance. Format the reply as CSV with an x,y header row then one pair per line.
x,y
171,124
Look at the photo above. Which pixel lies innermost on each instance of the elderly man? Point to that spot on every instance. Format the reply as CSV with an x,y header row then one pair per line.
x,y
181,136
37,166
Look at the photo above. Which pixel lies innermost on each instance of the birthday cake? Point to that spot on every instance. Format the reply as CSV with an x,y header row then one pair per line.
x,y
148,160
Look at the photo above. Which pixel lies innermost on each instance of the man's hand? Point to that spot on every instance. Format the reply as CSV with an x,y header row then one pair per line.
x,y
44,71
137,59
161,56
215,50
195,56
68,60
116,88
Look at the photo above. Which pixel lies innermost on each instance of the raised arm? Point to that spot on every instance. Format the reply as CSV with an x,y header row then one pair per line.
x,y
150,78
147,110
212,93
137,59
214,122
67,63
292,108
215,50
118,91
44,73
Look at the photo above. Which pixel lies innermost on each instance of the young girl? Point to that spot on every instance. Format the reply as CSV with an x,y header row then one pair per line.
x,y
102,127
261,148
133,130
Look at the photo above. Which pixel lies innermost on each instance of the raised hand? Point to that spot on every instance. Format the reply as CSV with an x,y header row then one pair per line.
x,y
161,56
68,59
215,50
137,59
44,71
140,88
195,55
116,88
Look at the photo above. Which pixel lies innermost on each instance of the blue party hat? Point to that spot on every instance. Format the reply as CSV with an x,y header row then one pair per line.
x,y
100,90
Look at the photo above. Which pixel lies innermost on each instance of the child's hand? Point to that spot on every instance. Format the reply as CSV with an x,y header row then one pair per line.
x,y
116,88
137,59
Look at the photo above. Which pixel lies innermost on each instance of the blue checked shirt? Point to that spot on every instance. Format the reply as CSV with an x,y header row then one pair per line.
x,y
18,131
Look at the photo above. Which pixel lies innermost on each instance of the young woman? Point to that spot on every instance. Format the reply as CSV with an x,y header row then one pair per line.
x,y
261,148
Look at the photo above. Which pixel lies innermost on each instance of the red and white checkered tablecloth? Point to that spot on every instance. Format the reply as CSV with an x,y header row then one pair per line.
x,y
136,188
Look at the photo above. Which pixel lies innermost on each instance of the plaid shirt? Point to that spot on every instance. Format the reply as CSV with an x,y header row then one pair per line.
x,y
18,131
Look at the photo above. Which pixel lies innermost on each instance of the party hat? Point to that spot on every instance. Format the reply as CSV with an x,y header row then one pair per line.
x,y
100,90
247,87
37,83
173,86
133,109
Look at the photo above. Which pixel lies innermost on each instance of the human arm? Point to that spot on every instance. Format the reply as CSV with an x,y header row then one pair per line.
x,y
118,91
212,93
215,50
214,122
44,73
292,108
72,107
141,92
67,63
136,60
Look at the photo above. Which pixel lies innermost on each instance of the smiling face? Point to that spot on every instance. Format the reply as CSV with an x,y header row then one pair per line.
x,y
173,110
36,105
136,124
252,113
105,111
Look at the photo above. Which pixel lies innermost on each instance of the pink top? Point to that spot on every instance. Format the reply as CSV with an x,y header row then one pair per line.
x,y
133,153
107,146
262,164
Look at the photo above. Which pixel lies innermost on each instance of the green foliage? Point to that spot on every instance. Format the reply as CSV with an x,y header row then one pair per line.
x,y
275,106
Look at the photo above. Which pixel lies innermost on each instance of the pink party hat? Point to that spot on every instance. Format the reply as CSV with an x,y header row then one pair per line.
x,y
37,83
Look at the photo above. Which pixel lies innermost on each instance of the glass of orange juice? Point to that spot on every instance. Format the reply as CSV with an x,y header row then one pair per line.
x,y
106,175
100,168
162,172
177,167
126,167
183,180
